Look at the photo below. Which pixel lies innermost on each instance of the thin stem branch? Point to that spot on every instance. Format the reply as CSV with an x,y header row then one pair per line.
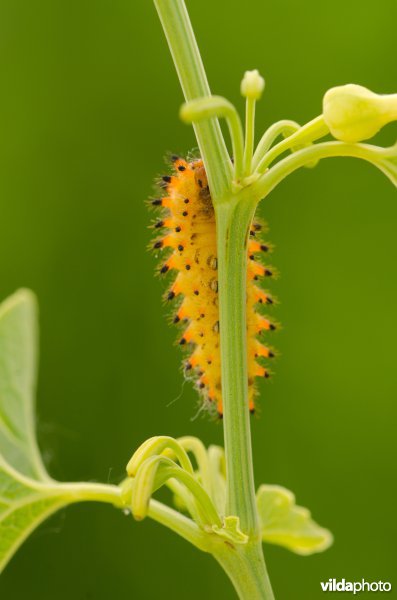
x,y
179,524
111,494
186,56
197,448
267,182
249,134
217,466
183,494
284,128
313,130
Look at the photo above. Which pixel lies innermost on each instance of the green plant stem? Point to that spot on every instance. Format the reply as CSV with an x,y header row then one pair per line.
x,y
206,108
234,214
267,182
313,130
284,128
247,570
111,494
197,448
179,524
233,221
186,56
249,134
245,565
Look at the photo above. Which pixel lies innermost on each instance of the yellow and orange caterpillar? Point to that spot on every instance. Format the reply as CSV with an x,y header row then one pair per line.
x,y
187,227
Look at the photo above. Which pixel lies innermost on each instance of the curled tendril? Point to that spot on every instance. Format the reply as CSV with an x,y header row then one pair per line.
x,y
157,445
162,461
198,450
153,473
199,489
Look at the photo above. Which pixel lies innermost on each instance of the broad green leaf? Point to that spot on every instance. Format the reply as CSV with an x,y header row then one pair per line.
x,y
24,504
18,366
27,494
285,524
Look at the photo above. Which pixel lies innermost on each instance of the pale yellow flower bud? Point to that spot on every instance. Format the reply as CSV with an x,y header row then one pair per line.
x,y
252,85
354,113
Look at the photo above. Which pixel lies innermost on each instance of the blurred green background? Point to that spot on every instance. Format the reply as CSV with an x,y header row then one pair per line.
x,y
88,108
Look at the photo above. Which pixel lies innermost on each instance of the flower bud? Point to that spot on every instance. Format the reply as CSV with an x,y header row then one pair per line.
x,y
354,113
252,85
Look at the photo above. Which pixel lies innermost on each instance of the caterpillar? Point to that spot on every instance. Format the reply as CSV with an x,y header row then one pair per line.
x,y
186,231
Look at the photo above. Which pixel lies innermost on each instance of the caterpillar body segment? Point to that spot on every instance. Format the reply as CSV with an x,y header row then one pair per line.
x,y
186,239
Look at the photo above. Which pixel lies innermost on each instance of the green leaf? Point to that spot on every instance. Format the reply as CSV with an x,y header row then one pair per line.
x,y
285,524
18,366
24,504
27,494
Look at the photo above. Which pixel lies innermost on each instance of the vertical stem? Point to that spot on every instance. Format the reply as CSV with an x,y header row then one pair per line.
x,y
246,566
186,56
233,221
247,571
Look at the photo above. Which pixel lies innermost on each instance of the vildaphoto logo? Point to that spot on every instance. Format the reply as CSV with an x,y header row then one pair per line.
x,y
333,585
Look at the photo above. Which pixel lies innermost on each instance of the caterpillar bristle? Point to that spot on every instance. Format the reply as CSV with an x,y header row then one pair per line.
x,y
188,232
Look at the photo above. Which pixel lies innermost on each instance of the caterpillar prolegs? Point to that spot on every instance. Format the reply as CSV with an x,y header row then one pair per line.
x,y
187,231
